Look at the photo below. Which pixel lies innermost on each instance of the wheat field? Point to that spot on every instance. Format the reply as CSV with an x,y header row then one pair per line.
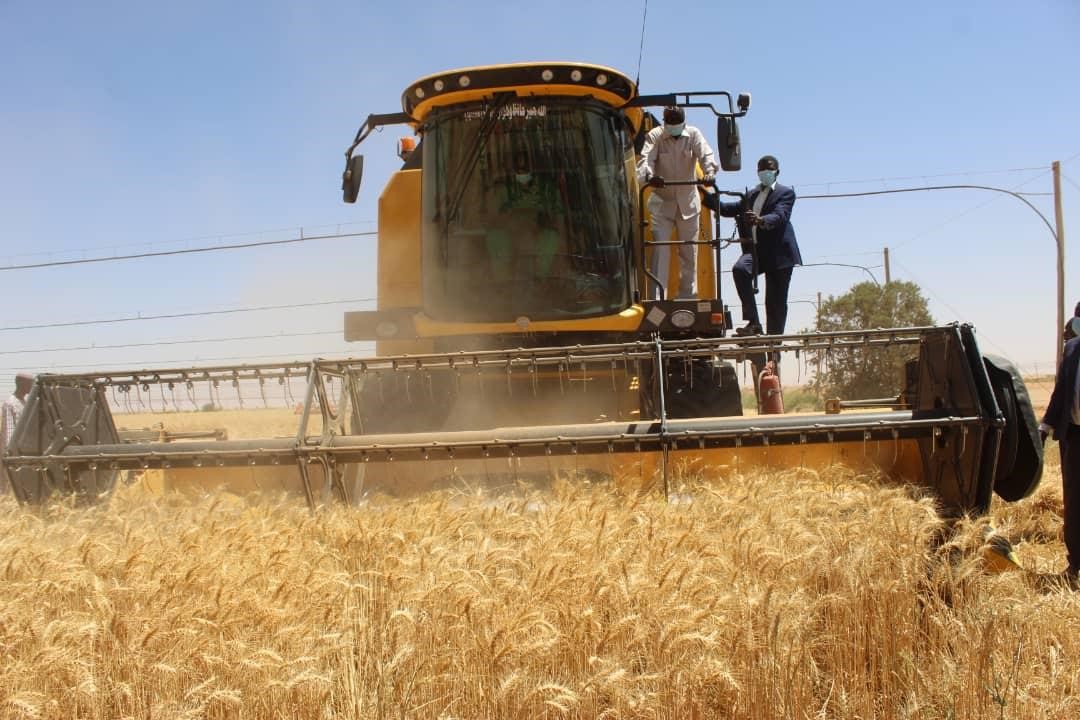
x,y
761,595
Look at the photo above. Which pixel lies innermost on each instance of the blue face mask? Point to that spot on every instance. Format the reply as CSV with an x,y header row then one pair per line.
x,y
767,177
675,130
523,178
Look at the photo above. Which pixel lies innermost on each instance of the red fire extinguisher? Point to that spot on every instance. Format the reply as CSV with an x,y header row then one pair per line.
x,y
770,396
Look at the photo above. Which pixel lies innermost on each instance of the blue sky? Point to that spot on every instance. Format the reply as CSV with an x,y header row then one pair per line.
x,y
131,126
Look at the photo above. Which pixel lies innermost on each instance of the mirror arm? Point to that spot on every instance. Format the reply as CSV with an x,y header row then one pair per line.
x,y
374,121
683,99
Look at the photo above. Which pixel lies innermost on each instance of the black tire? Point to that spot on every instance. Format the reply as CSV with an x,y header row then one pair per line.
x,y
702,388
1020,457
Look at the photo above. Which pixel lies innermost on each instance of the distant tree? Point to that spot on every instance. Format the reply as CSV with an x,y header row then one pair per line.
x,y
868,372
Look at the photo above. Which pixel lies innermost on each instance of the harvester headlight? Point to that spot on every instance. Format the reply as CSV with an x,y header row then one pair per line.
x,y
575,75
601,79
683,319
439,85
420,93
547,75
463,81
386,329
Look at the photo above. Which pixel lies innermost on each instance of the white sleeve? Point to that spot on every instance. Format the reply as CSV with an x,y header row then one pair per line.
x,y
704,154
647,165
7,424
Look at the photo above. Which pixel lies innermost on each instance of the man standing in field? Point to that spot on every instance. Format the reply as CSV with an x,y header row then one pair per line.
x,y
9,416
1062,418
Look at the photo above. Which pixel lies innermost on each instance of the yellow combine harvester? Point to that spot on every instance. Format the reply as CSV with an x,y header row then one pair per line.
x,y
515,340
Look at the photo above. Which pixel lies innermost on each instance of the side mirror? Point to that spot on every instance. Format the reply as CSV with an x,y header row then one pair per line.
x,y
350,179
727,144
743,102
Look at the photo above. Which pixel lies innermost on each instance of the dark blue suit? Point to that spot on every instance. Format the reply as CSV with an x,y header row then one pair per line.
x,y
777,254
1059,416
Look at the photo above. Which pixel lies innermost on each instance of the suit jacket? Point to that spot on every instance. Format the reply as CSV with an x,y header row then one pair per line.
x,y
1059,412
777,248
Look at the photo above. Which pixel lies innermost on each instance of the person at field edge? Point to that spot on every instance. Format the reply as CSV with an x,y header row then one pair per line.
x,y
763,217
672,153
1071,329
1062,418
9,416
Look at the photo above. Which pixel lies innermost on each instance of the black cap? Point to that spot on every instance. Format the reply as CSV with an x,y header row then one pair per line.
x,y
674,116
769,159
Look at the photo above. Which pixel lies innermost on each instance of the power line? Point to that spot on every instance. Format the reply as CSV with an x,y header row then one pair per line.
x,y
956,313
1017,195
158,343
847,265
193,362
926,231
968,173
172,316
853,253
220,237
188,251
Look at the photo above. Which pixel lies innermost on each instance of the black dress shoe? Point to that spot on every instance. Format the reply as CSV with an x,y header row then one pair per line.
x,y
748,329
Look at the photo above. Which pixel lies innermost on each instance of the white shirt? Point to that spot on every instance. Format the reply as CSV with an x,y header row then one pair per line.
x,y
759,202
675,159
9,415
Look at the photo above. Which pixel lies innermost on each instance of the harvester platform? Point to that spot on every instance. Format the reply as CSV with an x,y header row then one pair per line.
x,y
961,424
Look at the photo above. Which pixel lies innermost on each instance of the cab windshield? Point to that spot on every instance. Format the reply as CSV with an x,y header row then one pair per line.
x,y
527,210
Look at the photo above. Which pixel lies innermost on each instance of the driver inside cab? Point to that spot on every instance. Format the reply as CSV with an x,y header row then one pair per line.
x,y
524,239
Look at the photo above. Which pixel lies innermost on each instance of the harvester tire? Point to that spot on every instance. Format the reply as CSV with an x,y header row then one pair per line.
x,y
1020,456
707,390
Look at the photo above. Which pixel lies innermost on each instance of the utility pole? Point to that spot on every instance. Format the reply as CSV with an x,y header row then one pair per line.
x,y
1060,222
888,275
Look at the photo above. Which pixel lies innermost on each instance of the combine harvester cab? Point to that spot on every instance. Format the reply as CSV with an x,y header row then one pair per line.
x,y
516,339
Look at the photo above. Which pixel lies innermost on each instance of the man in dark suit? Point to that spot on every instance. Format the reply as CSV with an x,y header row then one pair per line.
x,y
1062,418
764,220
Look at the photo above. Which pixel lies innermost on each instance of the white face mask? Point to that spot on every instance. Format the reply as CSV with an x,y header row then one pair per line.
x,y
523,177
675,130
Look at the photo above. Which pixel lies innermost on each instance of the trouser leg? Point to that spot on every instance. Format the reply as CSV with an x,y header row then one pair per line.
x,y
777,283
689,230
500,253
1070,487
742,272
661,254
546,245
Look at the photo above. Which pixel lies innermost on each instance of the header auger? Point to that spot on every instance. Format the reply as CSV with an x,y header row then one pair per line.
x,y
515,339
